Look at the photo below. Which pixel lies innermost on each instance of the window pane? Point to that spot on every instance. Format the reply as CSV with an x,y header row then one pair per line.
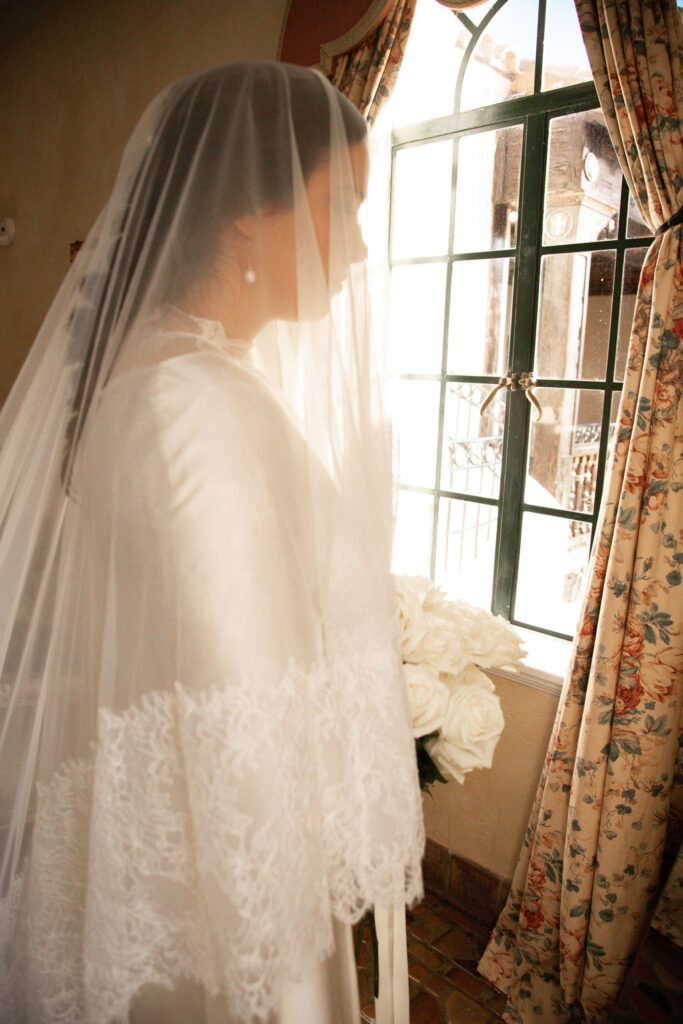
x,y
413,533
421,200
564,55
466,548
472,444
417,327
583,181
633,262
480,313
572,334
551,598
563,449
504,59
426,83
416,422
487,194
635,225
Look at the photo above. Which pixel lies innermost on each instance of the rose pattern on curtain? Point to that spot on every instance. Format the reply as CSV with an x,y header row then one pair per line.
x,y
588,876
668,919
367,74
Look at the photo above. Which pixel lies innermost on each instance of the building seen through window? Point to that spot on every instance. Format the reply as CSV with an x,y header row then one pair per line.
x,y
515,252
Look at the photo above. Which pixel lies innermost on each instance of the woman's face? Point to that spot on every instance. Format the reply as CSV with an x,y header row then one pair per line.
x,y
290,268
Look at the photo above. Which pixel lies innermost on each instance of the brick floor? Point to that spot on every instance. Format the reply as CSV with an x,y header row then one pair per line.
x,y
444,946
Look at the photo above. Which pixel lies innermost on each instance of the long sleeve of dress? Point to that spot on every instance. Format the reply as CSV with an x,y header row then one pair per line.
x,y
244,787
204,823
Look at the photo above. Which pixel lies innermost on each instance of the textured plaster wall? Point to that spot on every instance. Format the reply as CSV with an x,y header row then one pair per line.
x,y
76,75
484,819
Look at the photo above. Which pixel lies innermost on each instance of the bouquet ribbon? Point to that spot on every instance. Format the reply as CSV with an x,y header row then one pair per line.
x,y
392,1006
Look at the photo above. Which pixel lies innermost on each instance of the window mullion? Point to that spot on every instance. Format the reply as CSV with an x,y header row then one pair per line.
x,y
521,360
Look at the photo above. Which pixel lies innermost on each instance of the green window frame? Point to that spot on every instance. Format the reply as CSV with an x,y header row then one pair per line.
x,y
534,113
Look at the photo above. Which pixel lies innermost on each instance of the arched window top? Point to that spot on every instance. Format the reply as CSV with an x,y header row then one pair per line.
x,y
499,62
459,60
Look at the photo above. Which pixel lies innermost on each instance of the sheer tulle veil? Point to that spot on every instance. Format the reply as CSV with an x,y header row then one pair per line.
x,y
205,748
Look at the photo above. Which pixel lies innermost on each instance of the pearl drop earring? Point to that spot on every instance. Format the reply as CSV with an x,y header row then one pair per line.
x,y
250,275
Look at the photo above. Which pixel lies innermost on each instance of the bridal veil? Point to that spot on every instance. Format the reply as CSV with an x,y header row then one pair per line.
x,y
206,752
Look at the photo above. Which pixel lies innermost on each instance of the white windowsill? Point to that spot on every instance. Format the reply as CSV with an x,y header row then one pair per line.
x,y
545,665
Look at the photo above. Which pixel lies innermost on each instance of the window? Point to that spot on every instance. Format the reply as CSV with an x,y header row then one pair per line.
x,y
515,250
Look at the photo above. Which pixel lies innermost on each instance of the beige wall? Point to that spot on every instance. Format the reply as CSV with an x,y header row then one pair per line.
x,y
485,818
76,75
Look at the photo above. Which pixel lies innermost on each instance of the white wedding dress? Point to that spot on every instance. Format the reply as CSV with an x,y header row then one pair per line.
x,y
207,768
212,464
327,994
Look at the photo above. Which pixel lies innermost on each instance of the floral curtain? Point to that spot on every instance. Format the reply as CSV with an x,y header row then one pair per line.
x,y
367,75
589,872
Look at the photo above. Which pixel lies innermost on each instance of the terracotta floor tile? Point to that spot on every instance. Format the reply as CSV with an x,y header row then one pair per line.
x,y
436,921
458,916
437,985
421,932
462,1010
466,982
469,963
648,1010
426,956
457,943
418,972
424,1010
496,1001
445,986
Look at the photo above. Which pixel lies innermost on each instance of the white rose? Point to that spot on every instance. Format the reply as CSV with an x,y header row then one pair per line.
x,y
489,640
428,698
435,600
470,676
442,646
470,731
410,591
428,635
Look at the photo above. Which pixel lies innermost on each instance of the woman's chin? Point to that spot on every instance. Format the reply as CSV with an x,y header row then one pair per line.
x,y
316,307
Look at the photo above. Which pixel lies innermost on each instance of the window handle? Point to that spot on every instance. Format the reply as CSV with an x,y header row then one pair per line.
x,y
515,382
504,382
527,383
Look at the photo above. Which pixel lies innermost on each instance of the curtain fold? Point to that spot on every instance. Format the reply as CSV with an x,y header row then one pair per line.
x,y
367,74
588,876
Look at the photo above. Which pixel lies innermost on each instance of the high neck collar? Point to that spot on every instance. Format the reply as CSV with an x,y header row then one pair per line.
x,y
210,333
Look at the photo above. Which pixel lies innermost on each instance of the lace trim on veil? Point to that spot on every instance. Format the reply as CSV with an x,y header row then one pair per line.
x,y
121,841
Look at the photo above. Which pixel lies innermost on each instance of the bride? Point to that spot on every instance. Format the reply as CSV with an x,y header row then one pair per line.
x,y
207,771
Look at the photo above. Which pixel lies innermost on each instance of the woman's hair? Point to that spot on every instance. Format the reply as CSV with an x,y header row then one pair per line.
x,y
264,111
274,116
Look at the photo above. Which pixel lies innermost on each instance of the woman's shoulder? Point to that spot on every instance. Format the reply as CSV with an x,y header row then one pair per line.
x,y
197,406
203,383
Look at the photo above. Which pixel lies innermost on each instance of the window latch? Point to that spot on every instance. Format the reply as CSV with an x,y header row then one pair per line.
x,y
525,382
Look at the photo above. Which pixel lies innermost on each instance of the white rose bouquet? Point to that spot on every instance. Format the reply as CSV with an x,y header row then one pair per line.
x,y
457,718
